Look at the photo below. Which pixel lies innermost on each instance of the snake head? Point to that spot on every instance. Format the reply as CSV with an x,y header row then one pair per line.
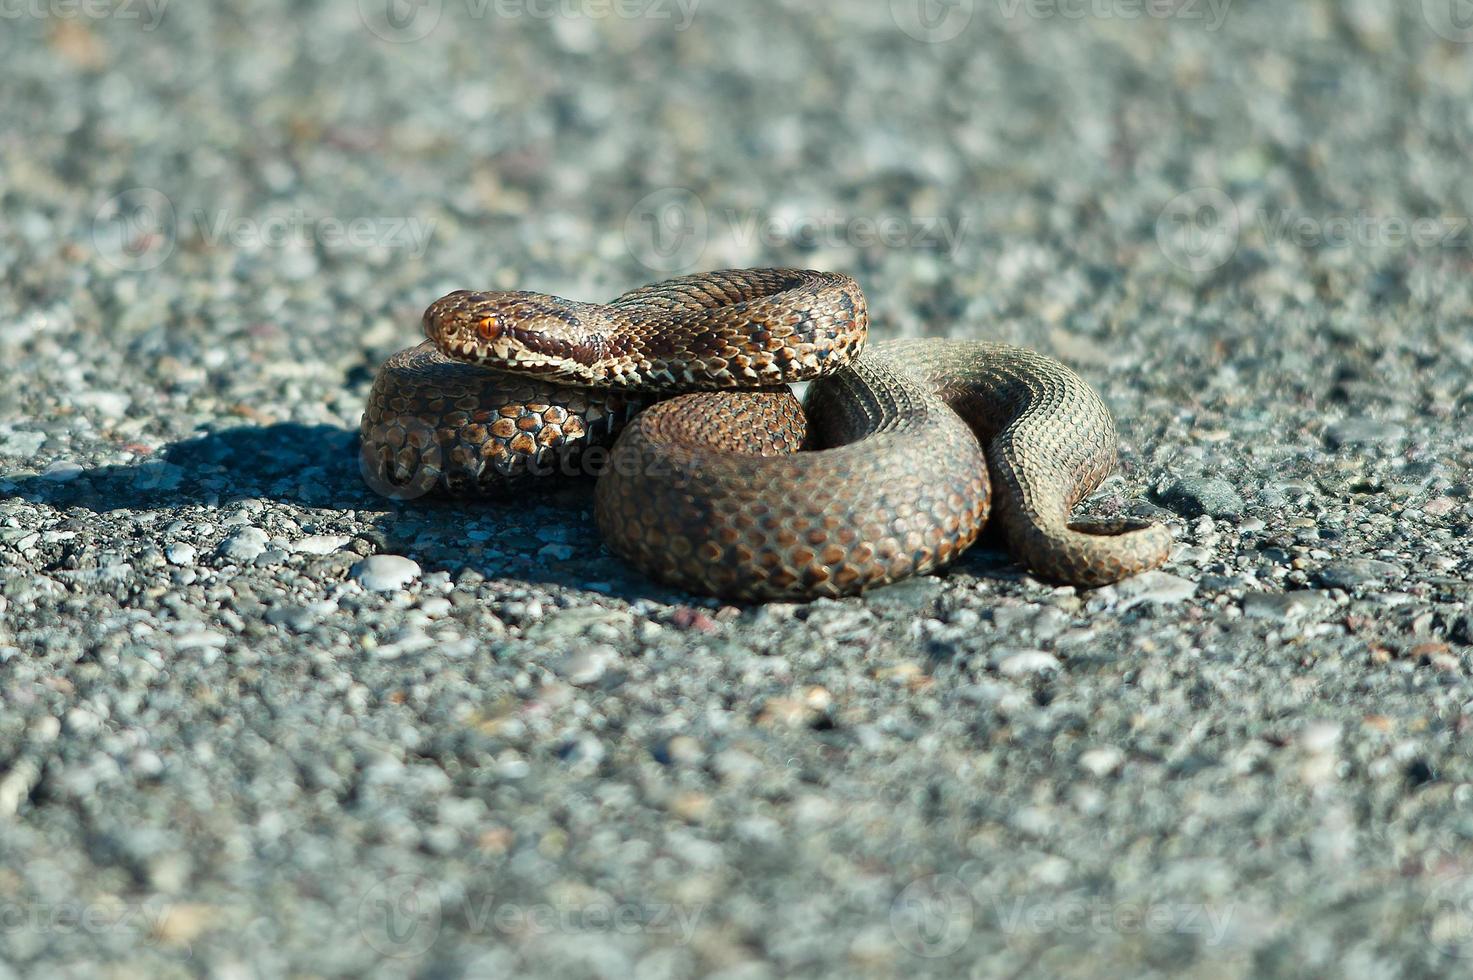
x,y
529,333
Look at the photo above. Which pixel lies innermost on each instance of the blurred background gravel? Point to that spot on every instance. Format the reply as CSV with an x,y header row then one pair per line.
x,y
257,721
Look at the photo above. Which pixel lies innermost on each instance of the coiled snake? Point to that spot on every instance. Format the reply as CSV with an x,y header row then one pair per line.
x,y
704,490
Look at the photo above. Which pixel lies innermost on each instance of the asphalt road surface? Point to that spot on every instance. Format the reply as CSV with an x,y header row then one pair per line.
x,y
256,720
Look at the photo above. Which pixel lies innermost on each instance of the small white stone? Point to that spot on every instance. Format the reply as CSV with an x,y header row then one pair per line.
x,y
556,552
112,404
588,665
62,471
403,642
22,444
78,721
245,544
1102,761
180,553
199,639
1320,737
147,763
435,606
1156,587
320,544
385,573
1028,662
583,752
734,765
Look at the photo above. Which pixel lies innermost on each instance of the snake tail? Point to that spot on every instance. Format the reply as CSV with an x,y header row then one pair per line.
x,y
1050,441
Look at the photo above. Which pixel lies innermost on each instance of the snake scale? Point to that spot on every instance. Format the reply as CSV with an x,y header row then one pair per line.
x,y
908,444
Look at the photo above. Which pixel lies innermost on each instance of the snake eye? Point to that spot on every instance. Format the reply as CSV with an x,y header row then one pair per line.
x,y
489,328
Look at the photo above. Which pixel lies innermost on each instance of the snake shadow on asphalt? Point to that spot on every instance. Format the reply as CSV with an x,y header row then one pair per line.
x,y
550,541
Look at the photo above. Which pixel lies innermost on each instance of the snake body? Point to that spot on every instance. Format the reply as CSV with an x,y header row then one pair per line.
x,y
907,441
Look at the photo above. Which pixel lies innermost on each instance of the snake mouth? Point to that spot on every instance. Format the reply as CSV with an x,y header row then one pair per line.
x,y
523,347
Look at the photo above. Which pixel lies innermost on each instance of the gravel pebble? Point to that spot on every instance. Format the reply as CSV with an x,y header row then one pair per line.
x,y
1439,506
22,445
1286,607
908,594
734,765
1101,761
181,553
1027,662
110,404
584,752
1196,496
1155,586
1363,432
1358,573
63,471
435,606
588,665
385,573
320,544
245,544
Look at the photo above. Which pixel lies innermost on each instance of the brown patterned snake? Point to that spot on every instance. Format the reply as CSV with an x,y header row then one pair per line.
x,y
704,490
